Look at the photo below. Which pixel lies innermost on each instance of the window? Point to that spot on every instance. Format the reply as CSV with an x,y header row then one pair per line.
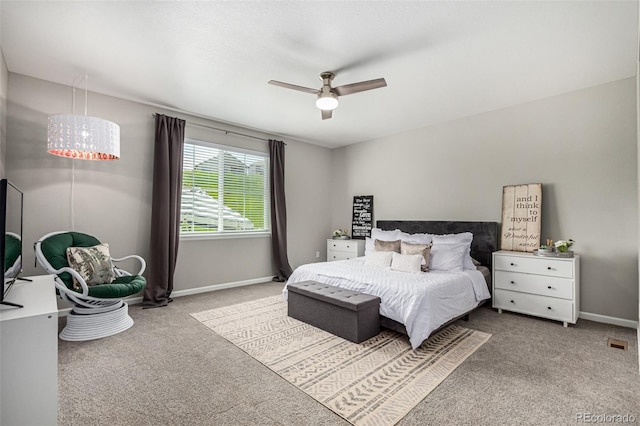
x,y
225,190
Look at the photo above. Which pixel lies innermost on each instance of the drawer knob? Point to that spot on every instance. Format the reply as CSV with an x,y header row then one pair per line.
x,y
549,268
549,307
512,282
513,301
512,264
549,287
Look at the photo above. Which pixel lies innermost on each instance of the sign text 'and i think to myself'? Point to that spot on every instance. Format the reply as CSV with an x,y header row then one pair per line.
x,y
521,212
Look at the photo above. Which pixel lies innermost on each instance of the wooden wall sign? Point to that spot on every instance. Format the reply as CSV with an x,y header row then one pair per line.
x,y
521,212
362,216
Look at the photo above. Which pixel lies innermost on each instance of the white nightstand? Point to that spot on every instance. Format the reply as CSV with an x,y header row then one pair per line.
x,y
344,249
547,287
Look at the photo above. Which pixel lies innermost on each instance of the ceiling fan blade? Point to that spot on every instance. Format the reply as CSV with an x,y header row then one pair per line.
x,y
294,87
326,113
348,89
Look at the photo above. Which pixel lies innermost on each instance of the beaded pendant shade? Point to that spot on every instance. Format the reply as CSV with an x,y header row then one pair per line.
x,y
83,137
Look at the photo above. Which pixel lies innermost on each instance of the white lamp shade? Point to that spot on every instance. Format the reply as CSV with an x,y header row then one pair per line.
x,y
83,137
327,101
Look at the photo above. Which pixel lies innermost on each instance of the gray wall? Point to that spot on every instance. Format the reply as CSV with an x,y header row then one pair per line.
x,y
4,88
581,146
113,199
638,162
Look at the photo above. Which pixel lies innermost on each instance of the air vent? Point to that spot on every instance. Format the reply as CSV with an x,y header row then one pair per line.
x,y
617,344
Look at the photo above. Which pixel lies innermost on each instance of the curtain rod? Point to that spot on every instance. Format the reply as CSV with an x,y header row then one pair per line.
x,y
222,130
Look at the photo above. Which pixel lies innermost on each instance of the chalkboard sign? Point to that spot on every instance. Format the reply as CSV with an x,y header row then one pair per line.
x,y
362,216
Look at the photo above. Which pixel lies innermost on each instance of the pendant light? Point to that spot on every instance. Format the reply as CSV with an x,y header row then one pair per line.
x,y
83,137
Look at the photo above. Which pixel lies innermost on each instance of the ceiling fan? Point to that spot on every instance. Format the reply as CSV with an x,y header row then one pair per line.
x,y
327,99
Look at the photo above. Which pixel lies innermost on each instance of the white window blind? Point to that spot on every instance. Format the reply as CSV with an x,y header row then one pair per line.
x,y
225,190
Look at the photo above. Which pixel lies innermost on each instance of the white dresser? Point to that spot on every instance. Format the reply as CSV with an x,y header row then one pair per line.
x,y
344,249
547,287
29,354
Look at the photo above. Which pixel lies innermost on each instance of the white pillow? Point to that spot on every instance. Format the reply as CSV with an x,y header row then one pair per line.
x,y
415,238
463,237
380,259
448,257
368,245
379,234
406,262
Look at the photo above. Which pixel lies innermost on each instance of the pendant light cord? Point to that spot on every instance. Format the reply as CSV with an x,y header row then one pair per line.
x,y
76,83
73,183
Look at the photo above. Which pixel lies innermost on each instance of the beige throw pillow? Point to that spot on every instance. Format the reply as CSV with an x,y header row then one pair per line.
x,y
380,245
423,249
92,263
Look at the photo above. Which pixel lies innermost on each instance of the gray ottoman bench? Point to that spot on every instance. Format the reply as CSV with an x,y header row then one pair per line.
x,y
351,315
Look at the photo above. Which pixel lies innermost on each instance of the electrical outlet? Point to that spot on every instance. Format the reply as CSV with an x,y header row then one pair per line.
x,y
317,254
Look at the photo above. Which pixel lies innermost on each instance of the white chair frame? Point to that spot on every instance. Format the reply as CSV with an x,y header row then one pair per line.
x,y
91,317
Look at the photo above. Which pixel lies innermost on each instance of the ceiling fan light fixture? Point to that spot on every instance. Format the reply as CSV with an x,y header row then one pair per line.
x,y
327,101
327,96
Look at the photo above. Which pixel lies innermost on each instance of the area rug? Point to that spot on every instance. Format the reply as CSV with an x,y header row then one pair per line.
x,y
376,382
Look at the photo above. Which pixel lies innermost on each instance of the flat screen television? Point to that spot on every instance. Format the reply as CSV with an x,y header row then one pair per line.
x,y
11,215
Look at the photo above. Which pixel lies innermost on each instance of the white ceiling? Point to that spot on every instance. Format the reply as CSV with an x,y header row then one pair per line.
x,y
441,60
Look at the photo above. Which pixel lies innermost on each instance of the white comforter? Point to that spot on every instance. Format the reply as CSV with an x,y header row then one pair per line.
x,y
420,301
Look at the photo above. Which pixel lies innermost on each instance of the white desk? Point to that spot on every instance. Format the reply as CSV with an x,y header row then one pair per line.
x,y
29,354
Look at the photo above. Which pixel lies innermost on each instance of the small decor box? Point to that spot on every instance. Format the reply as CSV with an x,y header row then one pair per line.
x,y
340,234
557,249
552,253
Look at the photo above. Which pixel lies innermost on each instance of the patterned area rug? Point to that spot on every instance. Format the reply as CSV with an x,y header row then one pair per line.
x,y
376,382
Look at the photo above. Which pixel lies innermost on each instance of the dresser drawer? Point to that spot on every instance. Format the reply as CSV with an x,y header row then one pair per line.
x,y
541,306
340,255
344,249
531,265
535,284
343,245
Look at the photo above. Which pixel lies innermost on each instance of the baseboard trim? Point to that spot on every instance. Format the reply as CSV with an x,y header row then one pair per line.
x,y
190,291
207,289
609,320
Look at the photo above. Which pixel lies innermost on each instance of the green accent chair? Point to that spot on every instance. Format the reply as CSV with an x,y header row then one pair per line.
x,y
99,310
12,255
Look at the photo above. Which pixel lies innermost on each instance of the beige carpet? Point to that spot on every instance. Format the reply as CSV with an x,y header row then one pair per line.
x,y
376,382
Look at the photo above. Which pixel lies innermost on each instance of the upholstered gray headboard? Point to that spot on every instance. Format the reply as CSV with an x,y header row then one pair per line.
x,y
485,234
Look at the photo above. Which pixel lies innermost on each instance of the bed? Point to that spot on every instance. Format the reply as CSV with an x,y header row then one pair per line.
x,y
416,304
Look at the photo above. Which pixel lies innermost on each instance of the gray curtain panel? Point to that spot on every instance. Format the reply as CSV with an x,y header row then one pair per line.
x,y
165,214
278,211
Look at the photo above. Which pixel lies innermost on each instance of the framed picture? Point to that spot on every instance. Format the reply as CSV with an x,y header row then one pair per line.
x,y
521,212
